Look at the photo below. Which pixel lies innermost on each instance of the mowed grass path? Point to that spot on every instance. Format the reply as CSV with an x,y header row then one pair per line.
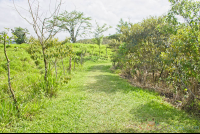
x,y
96,100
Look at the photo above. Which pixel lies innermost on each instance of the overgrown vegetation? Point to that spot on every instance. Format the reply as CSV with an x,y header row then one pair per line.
x,y
27,74
158,53
163,53
97,100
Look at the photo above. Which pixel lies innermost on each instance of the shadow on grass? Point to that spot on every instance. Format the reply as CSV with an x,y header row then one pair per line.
x,y
174,119
109,83
127,130
171,117
156,110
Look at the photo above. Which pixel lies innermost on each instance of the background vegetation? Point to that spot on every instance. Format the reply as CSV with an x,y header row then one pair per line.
x,y
160,53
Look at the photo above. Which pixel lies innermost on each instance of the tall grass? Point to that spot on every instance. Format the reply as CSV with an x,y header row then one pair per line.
x,y
27,79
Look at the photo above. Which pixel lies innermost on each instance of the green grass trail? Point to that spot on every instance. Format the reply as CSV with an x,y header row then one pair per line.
x,y
97,100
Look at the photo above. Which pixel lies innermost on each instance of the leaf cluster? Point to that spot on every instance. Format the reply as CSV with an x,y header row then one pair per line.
x,y
163,49
20,33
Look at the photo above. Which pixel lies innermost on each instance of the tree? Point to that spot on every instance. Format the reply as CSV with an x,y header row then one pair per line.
x,y
121,24
44,27
75,23
98,34
21,34
5,38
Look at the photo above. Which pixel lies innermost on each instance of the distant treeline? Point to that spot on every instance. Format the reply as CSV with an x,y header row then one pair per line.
x,y
106,40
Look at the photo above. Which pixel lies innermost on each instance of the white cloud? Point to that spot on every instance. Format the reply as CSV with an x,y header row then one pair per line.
x,y
103,11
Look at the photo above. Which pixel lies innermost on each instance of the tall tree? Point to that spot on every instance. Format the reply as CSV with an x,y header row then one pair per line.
x,y
75,23
21,34
98,34
42,28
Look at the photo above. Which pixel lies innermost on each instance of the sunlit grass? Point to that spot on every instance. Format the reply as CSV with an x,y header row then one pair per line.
x,y
27,82
96,100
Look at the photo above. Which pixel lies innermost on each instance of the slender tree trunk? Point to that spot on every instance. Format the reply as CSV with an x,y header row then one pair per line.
x,y
73,40
70,64
45,63
73,37
56,67
99,50
9,82
74,63
161,72
63,66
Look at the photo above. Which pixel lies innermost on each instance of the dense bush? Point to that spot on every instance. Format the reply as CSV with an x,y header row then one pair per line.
x,y
163,53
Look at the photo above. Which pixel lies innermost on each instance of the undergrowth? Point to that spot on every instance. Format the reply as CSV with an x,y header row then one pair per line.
x,y
27,80
99,101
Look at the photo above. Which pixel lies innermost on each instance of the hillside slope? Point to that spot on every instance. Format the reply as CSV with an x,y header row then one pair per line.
x,y
97,100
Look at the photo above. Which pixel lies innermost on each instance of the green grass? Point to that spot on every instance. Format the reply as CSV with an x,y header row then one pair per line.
x,y
96,100
27,75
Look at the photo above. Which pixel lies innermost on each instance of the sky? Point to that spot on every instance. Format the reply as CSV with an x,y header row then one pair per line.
x,y
102,11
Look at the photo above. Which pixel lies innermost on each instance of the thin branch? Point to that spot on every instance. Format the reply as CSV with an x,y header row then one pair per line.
x,y
20,14
56,10
78,29
35,25
49,7
54,22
